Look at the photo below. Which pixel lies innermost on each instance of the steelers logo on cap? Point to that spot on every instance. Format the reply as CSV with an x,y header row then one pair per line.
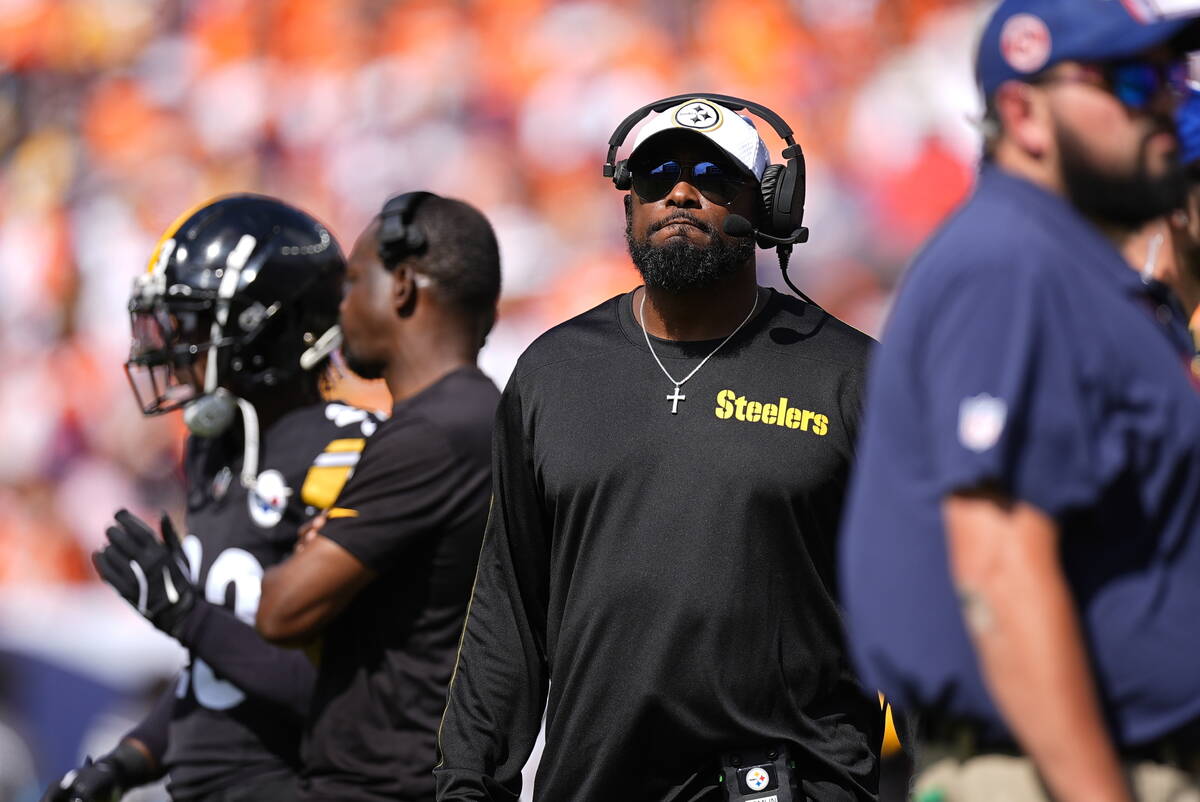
x,y
699,115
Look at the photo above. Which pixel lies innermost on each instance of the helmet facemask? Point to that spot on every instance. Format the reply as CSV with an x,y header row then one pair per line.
x,y
164,367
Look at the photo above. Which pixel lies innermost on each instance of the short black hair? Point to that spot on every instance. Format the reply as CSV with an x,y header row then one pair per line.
x,y
461,256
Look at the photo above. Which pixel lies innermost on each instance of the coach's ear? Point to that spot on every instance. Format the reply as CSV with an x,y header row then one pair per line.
x,y
404,290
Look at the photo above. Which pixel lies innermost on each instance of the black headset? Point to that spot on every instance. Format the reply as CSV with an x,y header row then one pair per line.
x,y
398,237
782,185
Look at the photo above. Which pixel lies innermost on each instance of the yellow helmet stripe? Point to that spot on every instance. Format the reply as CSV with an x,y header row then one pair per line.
x,y
169,234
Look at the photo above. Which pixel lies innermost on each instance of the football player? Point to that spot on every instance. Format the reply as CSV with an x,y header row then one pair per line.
x,y
233,323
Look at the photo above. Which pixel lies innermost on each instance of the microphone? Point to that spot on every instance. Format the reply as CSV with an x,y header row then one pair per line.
x,y
737,226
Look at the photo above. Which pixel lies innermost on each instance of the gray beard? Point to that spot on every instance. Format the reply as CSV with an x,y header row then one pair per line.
x,y
681,265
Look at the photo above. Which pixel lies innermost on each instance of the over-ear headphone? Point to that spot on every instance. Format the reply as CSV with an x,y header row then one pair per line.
x,y
398,237
782,185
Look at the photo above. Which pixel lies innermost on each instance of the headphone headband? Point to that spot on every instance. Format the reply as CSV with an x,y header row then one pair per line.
x,y
728,101
397,235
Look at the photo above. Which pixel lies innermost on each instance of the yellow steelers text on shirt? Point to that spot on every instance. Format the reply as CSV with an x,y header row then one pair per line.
x,y
730,405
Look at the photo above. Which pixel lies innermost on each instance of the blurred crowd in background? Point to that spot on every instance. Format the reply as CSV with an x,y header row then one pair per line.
x,y
118,115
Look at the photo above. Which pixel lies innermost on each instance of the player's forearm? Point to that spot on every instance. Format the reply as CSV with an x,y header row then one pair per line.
x,y
234,650
285,618
139,764
303,594
1022,620
150,734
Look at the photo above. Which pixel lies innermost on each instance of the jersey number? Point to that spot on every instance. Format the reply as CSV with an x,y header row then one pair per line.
x,y
235,569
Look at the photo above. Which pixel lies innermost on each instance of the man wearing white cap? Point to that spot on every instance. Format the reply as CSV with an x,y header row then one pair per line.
x,y
669,471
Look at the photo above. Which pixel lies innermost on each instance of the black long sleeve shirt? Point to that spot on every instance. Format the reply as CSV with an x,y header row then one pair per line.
x,y
666,578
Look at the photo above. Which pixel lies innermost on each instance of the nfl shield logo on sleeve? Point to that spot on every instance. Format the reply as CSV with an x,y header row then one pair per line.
x,y
981,421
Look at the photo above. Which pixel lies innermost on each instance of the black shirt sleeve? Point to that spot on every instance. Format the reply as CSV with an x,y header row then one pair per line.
x,y
234,649
151,732
397,495
499,686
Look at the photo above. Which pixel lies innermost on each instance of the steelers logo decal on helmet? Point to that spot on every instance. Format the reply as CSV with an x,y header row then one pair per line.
x,y
268,499
699,115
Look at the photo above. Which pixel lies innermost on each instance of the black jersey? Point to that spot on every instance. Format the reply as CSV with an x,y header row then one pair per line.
x,y
661,562
219,734
414,513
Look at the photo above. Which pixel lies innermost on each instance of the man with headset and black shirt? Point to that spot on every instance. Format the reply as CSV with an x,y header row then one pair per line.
x,y
657,570
233,322
384,576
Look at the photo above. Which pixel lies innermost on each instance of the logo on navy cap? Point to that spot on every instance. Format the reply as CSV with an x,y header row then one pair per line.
x,y
1025,43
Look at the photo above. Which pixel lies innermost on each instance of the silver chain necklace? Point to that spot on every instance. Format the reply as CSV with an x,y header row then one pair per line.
x,y
676,396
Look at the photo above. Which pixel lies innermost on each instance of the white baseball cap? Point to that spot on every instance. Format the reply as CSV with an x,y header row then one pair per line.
x,y
729,131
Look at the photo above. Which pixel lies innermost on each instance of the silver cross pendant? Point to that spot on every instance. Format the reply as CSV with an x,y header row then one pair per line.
x,y
675,398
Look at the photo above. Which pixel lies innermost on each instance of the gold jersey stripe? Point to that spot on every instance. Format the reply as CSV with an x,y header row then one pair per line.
x,y
341,512
326,477
347,444
323,483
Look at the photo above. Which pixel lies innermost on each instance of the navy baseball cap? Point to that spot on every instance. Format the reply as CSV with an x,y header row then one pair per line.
x,y
1024,37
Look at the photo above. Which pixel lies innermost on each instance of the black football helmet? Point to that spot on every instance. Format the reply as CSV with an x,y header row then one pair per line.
x,y
247,280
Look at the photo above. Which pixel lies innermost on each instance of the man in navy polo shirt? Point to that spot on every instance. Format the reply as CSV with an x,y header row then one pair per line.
x,y
1021,552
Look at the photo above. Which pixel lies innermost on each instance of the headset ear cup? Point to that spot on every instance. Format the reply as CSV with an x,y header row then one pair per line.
x,y
768,186
787,214
621,178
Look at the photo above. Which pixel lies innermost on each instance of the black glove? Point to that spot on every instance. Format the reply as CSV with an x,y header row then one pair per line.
x,y
91,782
150,573
105,780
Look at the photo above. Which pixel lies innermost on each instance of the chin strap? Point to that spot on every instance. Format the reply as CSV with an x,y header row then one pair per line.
x,y
211,416
250,451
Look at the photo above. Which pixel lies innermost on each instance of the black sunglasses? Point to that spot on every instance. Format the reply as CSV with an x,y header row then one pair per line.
x,y
717,183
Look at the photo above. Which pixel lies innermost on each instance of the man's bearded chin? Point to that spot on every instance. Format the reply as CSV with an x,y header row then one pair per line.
x,y
1126,201
681,265
362,368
